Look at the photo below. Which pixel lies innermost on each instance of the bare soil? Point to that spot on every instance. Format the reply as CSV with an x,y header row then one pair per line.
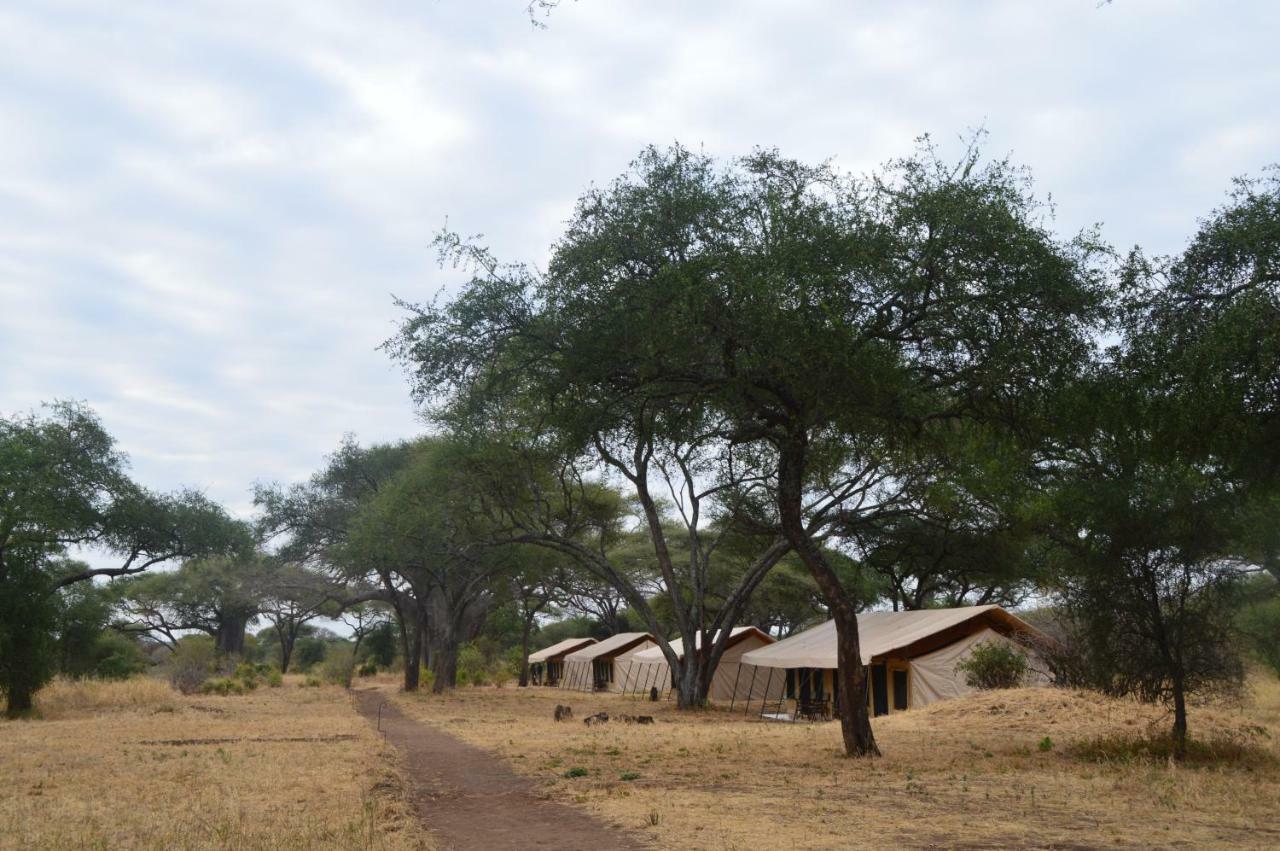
x,y
470,799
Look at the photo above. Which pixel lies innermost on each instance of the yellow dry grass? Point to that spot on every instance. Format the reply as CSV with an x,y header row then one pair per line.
x,y
137,765
965,773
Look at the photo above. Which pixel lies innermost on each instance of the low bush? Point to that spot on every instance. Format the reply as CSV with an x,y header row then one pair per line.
x,y
576,772
994,665
191,663
312,681
224,686
368,669
338,666
275,679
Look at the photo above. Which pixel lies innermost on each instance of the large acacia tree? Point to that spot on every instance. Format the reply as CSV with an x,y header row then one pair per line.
x,y
64,485
792,343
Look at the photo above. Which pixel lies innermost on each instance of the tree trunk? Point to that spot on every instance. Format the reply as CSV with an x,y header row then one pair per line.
x,y
692,682
230,638
524,651
412,652
1179,720
286,651
444,663
855,722
20,701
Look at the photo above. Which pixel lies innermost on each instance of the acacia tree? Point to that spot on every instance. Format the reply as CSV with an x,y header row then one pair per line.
x,y
218,596
423,525
776,339
311,523
63,485
1167,480
291,597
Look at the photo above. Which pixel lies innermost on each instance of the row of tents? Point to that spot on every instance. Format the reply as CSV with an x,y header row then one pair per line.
x,y
912,659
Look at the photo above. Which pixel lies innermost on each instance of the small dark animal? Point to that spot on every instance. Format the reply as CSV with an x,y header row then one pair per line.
x,y
598,718
653,694
564,713
644,719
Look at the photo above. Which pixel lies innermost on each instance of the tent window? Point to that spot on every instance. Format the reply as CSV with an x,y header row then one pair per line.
x,y
899,688
791,684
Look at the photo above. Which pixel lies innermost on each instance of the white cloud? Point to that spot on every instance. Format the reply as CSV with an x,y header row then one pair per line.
x,y
204,207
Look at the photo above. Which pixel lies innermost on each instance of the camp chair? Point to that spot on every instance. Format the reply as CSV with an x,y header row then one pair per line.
x,y
814,709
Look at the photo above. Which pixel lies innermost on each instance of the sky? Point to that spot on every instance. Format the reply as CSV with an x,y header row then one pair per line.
x,y
206,208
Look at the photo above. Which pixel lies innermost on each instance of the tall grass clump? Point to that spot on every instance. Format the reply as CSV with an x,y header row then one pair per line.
x,y
66,697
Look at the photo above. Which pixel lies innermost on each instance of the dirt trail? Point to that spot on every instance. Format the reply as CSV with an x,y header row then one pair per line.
x,y
471,800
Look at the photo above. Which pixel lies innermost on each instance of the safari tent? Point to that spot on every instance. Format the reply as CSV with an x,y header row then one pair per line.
x,y
546,666
649,669
600,666
911,657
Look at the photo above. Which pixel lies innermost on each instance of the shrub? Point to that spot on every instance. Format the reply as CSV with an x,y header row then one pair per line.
x,y
312,681
994,665
275,679
368,669
472,666
576,772
629,776
1046,744
501,674
338,666
224,686
248,675
191,663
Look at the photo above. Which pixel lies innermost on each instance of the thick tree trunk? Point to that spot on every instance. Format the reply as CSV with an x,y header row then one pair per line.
x,y
444,663
19,701
693,682
230,638
412,653
855,722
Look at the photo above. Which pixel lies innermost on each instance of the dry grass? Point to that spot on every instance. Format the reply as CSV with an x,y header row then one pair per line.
x,y
963,773
280,768
67,698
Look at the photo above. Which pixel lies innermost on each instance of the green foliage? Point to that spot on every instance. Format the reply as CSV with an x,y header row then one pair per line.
x,y
275,679
339,665
1046,744
191,663
312,681
577,771
994,664
309,651
225,686
367,669
1259,623
379,646
473,667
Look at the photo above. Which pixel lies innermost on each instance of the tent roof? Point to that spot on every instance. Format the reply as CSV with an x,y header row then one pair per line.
x,y
559,648
612,646
738,633
879,633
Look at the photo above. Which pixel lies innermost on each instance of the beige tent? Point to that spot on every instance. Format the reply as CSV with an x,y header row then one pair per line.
x,y
599,667
911,656
649,669
546,666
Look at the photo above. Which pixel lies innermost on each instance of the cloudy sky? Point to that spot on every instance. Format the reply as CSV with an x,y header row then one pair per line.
x,y
205,208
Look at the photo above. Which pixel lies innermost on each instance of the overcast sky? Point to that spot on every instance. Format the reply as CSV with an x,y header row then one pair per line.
x,y
205,208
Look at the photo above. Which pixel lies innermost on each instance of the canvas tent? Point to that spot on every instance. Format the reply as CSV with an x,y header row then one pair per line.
x,y
911,656
649,669
602,666
546,666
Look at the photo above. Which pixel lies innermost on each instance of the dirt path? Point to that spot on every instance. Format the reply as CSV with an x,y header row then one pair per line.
x,y
470,800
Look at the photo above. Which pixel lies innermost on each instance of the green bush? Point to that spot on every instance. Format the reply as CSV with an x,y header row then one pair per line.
x,y
275,679
1259,624
473,667
117,657
993,665
312,681
224,686
576,772
368,669
501,673
248,675
191,663
338,665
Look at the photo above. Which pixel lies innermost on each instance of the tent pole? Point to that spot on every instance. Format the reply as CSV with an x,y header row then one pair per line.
x,y
751,689
733,693
766,691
